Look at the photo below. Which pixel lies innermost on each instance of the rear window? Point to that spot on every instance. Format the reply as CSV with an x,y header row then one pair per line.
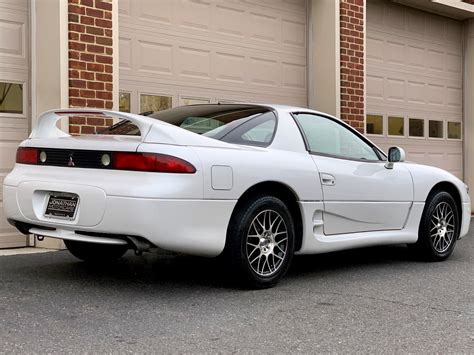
x,y
239,124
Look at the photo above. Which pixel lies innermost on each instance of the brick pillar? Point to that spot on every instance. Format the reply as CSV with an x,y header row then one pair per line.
x,y
90,61
352,62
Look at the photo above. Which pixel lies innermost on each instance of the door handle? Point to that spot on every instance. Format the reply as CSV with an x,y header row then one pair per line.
x,y
327,179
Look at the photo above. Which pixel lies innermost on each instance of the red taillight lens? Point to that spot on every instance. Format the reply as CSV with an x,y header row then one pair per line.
x,y
27,155
151,162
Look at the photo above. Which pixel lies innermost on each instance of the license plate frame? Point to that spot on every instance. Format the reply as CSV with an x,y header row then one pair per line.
x,y
62,205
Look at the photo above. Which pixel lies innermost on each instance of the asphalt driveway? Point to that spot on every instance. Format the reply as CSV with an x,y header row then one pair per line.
x,y
370,300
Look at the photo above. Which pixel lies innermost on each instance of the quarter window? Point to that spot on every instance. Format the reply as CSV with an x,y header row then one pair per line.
x,y
435,129
374,124
416,127
328,137
454,130
396,126
11,98
258,131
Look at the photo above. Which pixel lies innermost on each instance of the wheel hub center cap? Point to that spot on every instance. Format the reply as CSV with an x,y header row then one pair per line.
x,y
442,231
266,243
442,228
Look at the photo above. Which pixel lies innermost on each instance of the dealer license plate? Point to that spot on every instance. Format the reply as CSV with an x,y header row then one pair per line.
x,y
62,205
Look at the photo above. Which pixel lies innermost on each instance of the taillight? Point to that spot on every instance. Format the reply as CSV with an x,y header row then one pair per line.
x,y
26,155
151,162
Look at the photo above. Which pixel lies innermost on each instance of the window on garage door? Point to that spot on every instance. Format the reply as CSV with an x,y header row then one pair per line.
x,y
454,130
150,102
416,127
11,98
435,129
396,126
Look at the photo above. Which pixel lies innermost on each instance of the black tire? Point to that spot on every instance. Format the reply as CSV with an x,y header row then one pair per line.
x,y
94,252
437,235
245,229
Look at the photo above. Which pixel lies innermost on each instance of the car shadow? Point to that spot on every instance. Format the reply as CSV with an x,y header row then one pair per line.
x,y
187,271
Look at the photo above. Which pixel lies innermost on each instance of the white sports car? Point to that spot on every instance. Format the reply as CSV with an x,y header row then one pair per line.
x,y
255,183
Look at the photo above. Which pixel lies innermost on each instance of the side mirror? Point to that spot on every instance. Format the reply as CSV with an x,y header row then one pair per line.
x,y
395,155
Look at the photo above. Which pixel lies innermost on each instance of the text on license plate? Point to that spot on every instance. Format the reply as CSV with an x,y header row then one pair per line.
x,y
62,205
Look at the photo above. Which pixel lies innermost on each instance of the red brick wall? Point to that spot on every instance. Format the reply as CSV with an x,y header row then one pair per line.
x,y
90,60
352,62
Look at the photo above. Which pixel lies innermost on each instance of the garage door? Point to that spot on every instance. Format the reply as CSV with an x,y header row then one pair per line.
x,y
196,51
414,84
13,98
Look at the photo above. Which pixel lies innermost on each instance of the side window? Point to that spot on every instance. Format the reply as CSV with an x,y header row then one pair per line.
x,y
256,131
325,136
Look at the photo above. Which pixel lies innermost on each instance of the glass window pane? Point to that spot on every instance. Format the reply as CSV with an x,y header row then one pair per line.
x,y
396,126
454,130
154,103
11,98
326,136
193,101
200,125
416,127
374,124
257,131
124,102
435,129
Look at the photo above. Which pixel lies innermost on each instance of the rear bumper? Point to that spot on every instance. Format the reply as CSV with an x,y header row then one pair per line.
x,y
191,226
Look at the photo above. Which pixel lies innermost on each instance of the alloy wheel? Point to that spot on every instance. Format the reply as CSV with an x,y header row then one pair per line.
x,y
267,243
442,227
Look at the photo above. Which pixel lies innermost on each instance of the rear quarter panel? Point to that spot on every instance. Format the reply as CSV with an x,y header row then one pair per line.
x,y
252,166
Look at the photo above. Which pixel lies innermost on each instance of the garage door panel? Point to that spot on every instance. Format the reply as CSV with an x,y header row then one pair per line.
x,y
195,15
230,67
229,20
443,95
294,32
261,54
232,22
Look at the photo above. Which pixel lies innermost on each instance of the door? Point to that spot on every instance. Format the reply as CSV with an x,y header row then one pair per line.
x,y
14,97
360,194
414,84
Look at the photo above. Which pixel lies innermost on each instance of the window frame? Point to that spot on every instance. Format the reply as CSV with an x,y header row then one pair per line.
x,y
460,133
383,125
405,131
423,137
378,152
444,130
147,93
130,97
25,104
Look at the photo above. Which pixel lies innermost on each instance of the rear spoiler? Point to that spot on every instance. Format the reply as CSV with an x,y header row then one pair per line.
x,y
47,128
151,130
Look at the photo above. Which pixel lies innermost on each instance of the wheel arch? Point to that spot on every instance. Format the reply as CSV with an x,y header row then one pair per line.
x,y
284,193
452,190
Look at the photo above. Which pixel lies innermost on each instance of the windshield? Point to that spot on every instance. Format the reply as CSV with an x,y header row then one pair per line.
x,y
232,123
